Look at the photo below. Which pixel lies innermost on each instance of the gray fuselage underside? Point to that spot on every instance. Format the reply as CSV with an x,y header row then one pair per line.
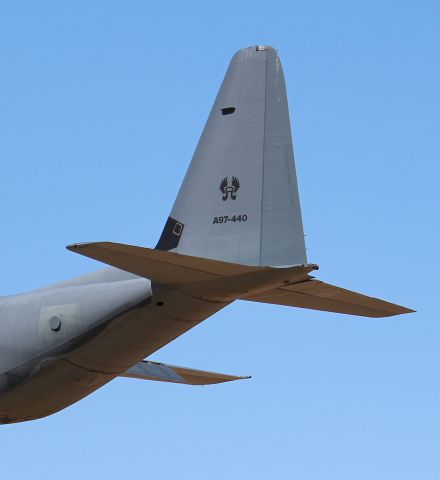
x,y
60,343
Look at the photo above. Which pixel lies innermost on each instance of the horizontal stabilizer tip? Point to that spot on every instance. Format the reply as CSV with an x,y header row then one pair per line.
x,y
148,370
317,295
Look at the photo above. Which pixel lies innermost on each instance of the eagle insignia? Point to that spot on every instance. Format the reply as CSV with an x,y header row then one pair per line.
x,y
229,191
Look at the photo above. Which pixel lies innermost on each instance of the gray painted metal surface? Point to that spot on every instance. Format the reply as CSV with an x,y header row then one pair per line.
x,y
238,208
253,217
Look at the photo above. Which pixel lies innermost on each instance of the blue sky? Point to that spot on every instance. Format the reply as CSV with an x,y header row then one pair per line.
x,y
101,107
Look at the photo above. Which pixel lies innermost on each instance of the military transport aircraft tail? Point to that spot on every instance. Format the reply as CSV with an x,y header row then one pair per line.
x,y
235,230
234,233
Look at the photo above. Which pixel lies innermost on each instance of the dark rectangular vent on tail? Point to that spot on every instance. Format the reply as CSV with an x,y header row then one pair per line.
x,y
228,110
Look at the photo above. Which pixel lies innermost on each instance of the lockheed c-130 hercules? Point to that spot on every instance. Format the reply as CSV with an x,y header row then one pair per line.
x,y
235,232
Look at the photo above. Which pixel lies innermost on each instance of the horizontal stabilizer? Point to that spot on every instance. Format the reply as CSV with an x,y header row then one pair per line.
x,y
223,281
318,295
202,277
162,267
148,370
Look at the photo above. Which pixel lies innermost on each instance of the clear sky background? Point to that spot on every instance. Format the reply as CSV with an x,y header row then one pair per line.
x,y
101,106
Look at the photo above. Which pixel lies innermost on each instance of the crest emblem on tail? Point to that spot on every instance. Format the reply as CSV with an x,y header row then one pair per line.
x,y
229,191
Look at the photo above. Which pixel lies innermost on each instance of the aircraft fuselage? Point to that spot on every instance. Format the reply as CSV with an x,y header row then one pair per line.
x,y
40,328
59,344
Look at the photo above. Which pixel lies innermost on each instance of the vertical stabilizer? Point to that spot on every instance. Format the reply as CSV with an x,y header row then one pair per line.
x,y
239,200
